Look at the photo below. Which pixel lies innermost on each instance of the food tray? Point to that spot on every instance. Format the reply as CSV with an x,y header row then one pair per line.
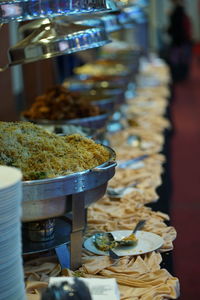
x,y
105,98
119,80
76,83
20,10
52,197
94,122
70,129
113,99
108,104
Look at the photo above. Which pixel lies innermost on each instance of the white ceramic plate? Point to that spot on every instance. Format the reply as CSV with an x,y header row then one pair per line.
x,y
8,177
147,242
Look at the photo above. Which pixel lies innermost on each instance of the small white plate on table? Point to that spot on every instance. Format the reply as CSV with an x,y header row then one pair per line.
x,y
147,242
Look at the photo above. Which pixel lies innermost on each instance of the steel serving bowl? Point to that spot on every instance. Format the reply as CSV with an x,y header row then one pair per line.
x,y
48,198
76,83
107,104
94,122
106,99
121,80
68,129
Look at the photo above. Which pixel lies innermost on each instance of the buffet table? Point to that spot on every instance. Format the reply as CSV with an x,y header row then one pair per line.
x,y
141,276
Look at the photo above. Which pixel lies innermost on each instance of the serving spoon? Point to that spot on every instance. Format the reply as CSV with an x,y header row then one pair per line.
x,y
106,241
131,240
117,192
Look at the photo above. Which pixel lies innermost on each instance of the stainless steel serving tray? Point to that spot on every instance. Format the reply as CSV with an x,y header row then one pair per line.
x,y
94,122
90,73
20,10
68,129
106,99
56,38
108,104
48,198
75,84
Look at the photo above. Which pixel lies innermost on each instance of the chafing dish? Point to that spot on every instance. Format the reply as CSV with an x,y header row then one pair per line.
x,y
77,83
106,99
21,10
102,69
94,122
45,206
46,198
70,129
56,38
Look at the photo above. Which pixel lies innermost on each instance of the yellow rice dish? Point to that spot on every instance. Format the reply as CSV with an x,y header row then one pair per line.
x,y
40,154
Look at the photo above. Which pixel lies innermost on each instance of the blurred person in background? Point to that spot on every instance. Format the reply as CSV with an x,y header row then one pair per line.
x,y
180,32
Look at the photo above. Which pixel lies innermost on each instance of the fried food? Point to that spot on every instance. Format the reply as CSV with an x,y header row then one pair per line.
x,y
40,154
60,104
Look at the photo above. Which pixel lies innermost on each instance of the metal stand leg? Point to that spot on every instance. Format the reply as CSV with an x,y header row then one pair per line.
x,y
85,227
63,255
78,224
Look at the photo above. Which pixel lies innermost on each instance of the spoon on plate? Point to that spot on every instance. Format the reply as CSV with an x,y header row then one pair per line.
x,y
118,192
131,240
106,241
129,163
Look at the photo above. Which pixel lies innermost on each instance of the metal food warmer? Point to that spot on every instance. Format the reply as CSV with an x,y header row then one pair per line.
x,y
54,211
22,10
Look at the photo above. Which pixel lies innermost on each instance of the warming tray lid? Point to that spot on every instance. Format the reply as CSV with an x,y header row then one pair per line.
x,y
21,10
56,38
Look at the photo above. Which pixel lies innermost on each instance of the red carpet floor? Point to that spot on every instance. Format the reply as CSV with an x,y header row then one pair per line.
x,y
185,168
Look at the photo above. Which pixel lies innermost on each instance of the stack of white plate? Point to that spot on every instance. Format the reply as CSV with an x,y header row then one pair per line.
x,y
11,270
